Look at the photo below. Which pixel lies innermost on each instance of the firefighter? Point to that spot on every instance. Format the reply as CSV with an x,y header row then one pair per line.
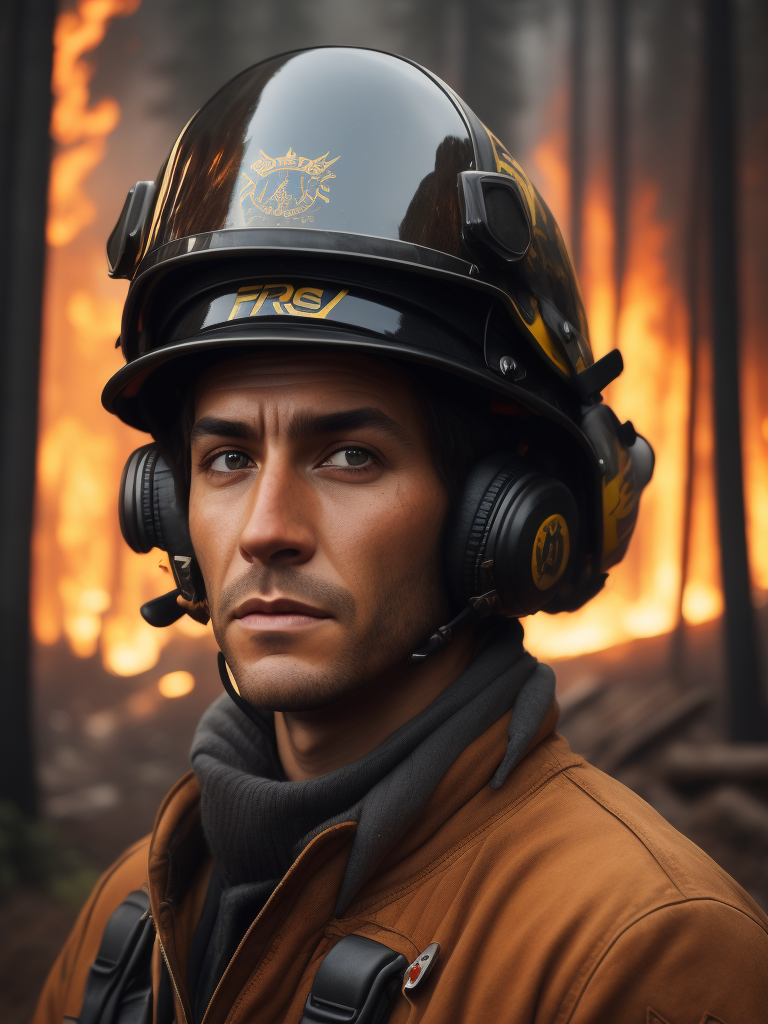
x,y
357,341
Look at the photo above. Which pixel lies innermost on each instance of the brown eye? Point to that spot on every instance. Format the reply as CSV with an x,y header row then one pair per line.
x,y
230,462
349,458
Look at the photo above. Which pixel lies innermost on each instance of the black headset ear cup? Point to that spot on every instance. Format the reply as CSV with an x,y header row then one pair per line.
x,y
170,520
533,543
135,500
469,532
149,512
150,517
515,531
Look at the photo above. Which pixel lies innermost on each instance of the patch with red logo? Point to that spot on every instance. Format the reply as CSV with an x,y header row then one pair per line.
x,y
421,966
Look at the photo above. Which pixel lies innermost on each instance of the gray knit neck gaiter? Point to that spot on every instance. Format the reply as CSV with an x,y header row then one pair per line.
x,y
256,822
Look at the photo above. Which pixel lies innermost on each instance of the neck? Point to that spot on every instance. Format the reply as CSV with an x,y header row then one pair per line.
x,y
316,743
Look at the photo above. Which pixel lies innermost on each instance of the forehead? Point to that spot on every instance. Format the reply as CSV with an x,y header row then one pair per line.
x,y
316,379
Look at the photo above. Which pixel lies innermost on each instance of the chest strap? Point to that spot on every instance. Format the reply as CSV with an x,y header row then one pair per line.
x,y
355,983
119,985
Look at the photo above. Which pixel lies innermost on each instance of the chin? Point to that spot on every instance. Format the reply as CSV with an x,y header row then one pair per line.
x,y
297,672
285,682
304,677
285,671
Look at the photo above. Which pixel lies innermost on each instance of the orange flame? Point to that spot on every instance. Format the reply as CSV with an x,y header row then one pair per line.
x,y
87,584
642,594
74,124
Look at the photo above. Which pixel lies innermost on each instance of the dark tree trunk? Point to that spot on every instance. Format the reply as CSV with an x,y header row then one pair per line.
x,y
578,124
745,703
489,80
620,146
26,47
695,239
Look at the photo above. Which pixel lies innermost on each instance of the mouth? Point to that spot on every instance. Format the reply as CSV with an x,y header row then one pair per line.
x,y
283,614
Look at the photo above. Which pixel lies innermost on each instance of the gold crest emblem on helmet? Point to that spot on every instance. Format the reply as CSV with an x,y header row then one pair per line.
x,y
286,186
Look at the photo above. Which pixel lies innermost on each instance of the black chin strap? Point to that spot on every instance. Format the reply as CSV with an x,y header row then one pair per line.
x,y
478,608
228,683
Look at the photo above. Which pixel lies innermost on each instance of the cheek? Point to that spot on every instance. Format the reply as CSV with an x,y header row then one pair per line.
x,y
213,527
395,531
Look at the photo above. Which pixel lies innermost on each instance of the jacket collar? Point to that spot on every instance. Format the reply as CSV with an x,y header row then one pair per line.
x,y
462,803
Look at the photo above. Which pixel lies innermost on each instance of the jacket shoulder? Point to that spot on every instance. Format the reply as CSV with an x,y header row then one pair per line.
x,y
611,809
578,903
62,994
701,960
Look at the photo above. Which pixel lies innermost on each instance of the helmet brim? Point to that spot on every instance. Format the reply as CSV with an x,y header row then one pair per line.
x,y
120,396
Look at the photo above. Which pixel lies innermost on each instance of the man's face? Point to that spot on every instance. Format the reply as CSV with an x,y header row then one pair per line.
x,y
316,514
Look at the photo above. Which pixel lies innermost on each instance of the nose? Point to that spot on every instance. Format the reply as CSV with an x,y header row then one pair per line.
x,y
278,530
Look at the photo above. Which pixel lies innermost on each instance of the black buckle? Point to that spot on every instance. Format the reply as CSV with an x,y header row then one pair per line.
x,y
120,978
355,983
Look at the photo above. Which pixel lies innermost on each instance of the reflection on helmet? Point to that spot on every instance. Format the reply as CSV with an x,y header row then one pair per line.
x,y
251,159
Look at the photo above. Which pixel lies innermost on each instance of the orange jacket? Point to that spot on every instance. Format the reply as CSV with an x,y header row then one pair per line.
x,y
562,897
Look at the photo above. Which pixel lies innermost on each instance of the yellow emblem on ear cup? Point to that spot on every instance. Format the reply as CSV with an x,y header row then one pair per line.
x,y
551,550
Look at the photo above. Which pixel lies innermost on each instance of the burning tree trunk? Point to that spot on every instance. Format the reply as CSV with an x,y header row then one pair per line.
x,y
26,34
745,703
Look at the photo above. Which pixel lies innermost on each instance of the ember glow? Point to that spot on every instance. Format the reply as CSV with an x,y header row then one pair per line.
x,y
88,585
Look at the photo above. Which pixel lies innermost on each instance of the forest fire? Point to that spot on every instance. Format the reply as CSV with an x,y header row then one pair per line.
x,y
88,585
80,129
642,596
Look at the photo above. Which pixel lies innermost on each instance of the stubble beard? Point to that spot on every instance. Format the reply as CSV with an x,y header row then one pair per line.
x,y
409,607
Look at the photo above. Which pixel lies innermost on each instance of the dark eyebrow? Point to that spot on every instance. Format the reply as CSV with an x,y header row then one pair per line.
x,y
209,426
305,424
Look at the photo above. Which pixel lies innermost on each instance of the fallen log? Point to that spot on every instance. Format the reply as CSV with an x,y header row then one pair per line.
x,y
715,762
730,810
655,727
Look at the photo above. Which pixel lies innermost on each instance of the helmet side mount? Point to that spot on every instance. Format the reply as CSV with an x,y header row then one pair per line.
x,y
495,220
124,244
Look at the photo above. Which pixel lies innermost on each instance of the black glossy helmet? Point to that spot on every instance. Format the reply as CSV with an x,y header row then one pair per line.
x,y
348,198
